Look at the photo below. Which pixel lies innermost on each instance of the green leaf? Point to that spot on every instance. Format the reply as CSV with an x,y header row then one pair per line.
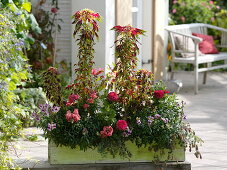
x,y
27,6
13,7
12,86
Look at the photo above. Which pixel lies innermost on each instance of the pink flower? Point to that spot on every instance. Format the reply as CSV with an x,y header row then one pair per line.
x,y
112,96
107,131
68,116
90,100
76,111
73,97
85,106
218,7
75,115
211,2
72,117
174,11
175,1
68,104
159,94
122,125
182,18
98,71
93,95
54,10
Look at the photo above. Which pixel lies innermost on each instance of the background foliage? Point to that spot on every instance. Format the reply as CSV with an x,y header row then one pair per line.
x,y
15,22
13,70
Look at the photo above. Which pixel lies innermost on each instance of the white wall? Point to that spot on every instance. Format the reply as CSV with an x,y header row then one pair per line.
x,y
104,54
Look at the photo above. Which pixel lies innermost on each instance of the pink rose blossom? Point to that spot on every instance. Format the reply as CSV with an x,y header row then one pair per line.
x,y
85,106
122,125
159,94
68,116
75,115
72,117
107,131
113,97
174,11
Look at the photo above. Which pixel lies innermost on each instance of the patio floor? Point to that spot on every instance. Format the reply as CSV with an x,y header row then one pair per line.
x,y
207,113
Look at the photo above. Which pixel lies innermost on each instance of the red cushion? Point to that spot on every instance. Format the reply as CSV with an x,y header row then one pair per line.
x,y
207,45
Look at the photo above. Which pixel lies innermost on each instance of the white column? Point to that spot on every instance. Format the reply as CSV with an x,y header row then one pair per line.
x,y
147,39
160,20
104,54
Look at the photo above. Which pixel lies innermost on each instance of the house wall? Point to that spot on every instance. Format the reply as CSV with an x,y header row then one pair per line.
x,y
63,38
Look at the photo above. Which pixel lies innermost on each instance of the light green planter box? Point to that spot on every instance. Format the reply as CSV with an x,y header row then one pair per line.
x,y
66,155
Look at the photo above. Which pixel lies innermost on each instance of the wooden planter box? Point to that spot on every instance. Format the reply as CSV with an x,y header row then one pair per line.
x,y
66,155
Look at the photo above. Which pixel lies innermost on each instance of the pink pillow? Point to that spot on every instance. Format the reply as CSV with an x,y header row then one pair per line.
x,y
207,45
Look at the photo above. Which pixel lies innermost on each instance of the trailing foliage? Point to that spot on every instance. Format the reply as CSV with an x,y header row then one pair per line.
x,y
27,21
13,70
107,113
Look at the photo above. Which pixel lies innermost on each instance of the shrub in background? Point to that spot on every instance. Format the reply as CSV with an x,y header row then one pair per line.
x,y
193,11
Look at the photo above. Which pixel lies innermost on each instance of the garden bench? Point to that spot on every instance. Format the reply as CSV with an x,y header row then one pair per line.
x,y
185,32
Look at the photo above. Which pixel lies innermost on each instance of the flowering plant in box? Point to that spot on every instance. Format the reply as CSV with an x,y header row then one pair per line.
x,y
105,112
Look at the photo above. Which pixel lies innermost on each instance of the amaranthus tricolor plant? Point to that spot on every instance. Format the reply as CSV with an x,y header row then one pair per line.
x,y
86,28
126,80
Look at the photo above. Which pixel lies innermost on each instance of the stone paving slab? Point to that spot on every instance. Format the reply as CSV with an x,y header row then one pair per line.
x,y
207,114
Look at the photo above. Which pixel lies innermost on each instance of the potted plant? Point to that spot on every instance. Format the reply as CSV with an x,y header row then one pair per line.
x,y
122,115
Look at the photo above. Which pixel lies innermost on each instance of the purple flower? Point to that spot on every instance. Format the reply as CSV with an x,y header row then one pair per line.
x,y
84,131
184,117
138,121
44,108
127,132
35,116
55,109
150,120
51,126
157,116
165,120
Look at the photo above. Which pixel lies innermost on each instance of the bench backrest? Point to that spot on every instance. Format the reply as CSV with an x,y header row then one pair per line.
x,y
187,29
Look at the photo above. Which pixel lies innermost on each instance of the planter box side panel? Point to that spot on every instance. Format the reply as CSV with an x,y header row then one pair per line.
x,y
66,155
